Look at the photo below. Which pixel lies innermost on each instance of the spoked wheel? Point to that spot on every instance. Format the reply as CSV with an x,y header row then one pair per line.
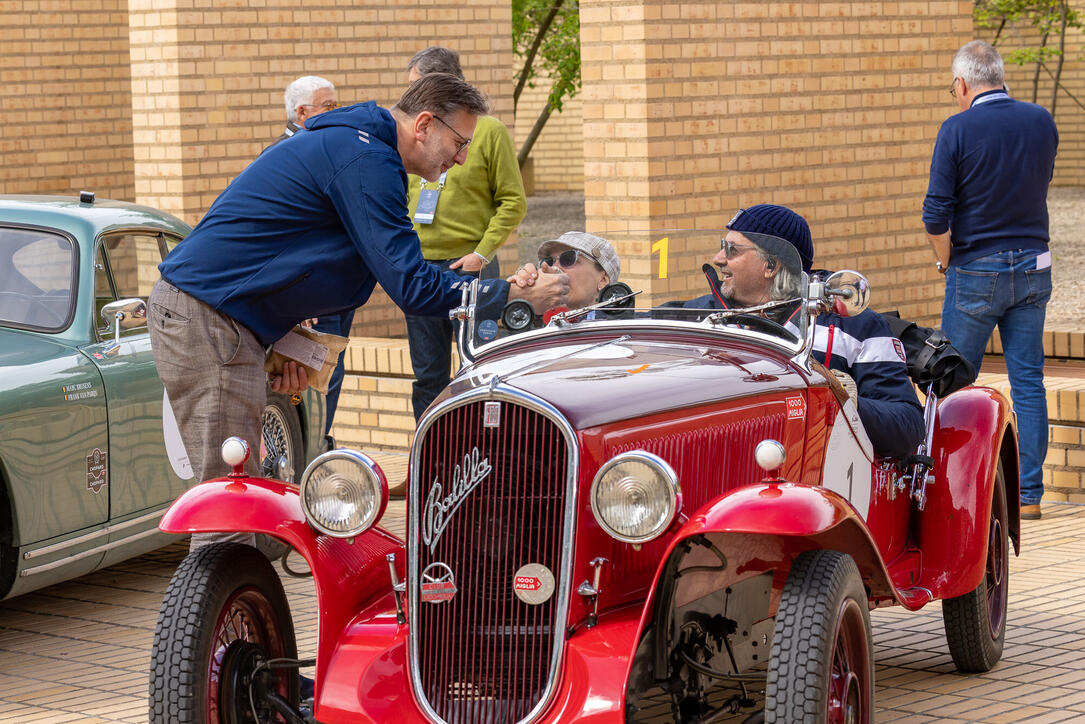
x,y
225,616
976,622
281,454
822,665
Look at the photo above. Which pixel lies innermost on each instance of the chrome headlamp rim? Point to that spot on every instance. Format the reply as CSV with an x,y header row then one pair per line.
x,y
354,456
668,475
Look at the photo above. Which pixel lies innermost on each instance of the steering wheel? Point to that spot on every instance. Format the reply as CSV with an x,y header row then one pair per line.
x,y
759,324
35,304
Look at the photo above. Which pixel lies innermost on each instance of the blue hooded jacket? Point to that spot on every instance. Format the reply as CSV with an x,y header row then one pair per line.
x,y
311,226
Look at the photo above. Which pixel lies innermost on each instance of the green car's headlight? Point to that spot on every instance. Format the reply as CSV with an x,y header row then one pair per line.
x,y
343,493
635,496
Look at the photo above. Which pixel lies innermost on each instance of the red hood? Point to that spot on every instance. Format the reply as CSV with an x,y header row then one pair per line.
x,y
644,375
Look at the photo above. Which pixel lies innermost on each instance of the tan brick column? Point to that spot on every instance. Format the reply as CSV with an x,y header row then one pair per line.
x,y
155,45
695,109
208,81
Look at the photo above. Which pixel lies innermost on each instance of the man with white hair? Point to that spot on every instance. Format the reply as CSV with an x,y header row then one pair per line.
x,y
986,217
308,96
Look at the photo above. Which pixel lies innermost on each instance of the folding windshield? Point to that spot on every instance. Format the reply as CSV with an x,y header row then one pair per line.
x,y
37,279
750,284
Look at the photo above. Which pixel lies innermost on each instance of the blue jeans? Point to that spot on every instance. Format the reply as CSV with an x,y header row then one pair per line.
x,y
430,341
335,324
1006,289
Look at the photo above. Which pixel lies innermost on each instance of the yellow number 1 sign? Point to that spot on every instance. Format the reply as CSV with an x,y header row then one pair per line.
x,y
661,247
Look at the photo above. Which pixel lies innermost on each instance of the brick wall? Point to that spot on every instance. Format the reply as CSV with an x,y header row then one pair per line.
x,y
67,99
556,164
1069,115
694,109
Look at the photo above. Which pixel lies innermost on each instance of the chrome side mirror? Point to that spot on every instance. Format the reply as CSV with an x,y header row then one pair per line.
x,y
848,292
465,315
123,314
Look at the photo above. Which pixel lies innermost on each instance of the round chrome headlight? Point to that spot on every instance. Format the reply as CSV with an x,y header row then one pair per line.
x,y
635,496
343,493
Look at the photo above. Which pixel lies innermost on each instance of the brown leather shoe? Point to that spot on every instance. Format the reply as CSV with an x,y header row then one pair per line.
x,y
1030,512
400,490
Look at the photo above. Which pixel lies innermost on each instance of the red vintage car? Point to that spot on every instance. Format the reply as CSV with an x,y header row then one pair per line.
x,y
631,516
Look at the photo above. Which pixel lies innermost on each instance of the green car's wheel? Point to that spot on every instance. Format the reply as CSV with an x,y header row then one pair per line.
x,y
282,454
224,615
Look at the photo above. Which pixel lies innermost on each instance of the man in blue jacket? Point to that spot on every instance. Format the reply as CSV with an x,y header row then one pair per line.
x,y
752,269
986,217
308,229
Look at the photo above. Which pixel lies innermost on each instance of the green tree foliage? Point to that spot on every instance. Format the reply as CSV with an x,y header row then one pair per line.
x,y
1051,19
546,41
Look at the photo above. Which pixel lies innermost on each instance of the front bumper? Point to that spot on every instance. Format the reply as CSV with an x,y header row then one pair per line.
x,y
367,676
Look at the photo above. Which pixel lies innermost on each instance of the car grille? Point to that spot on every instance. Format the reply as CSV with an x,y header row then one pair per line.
x,y
485,501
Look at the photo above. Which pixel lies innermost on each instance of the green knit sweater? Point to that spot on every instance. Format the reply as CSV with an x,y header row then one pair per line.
x,y
482,201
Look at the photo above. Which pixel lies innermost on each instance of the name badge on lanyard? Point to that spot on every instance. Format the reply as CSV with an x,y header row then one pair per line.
x,y
427,201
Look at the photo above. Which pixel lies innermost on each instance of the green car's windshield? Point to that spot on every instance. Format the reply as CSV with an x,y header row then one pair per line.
x,y
37,278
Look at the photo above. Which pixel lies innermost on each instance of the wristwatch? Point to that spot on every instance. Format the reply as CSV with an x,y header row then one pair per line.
x,y
941,269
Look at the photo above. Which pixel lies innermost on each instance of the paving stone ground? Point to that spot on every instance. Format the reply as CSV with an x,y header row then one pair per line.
x,y
79,651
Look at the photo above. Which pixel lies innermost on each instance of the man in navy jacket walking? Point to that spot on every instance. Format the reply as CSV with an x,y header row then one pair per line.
x,y
986,217
308,229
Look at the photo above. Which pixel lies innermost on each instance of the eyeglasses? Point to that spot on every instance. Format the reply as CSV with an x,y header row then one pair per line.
x,y
953,88
326,105
731,249
464,142
566,259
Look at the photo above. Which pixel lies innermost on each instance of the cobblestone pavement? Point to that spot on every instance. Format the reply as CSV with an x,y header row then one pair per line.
x,y
79,651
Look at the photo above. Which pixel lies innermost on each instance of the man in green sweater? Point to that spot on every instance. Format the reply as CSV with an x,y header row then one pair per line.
x,y
461,219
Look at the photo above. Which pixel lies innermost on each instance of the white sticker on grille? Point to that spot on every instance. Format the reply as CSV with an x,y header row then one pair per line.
x,y
533,583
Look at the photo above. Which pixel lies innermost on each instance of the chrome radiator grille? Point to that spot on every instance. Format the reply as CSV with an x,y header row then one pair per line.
x,y
486,501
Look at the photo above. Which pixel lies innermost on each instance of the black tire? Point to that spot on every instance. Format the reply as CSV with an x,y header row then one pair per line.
x,y
281,437
976,622
223,598
822,664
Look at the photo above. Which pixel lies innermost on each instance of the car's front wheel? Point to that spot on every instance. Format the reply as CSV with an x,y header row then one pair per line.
x,y
976,622
224,617
822,664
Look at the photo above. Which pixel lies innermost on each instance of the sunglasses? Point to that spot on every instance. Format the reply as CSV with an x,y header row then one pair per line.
x,y
731,249
566,259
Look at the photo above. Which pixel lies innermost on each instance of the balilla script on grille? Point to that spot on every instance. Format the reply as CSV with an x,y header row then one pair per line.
x,y
438,512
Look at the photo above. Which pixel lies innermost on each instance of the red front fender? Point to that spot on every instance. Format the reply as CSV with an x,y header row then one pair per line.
x,y
756,530
349,576
769,524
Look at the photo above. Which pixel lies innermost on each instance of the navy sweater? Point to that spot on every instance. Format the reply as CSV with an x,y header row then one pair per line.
x,y
989,175
311,226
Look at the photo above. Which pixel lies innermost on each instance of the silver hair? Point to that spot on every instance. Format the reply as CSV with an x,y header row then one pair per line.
x,y
300,93
785,282
980,65
436,59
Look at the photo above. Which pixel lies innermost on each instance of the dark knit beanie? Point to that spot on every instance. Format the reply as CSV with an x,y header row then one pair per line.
x,y
778,221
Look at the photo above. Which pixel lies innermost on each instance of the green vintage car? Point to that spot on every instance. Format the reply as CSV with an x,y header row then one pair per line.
x,y
90,454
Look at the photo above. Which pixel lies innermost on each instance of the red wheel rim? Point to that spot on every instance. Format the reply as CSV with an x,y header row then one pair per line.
x,y
997,552
849,672
247,616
